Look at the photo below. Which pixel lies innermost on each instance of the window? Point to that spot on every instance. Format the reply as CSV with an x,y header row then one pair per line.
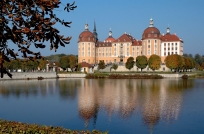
x,y
148,41
155,41
164,53
149,35
148,46
164,44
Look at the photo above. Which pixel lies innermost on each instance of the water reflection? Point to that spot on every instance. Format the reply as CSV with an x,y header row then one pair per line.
x,y
156,100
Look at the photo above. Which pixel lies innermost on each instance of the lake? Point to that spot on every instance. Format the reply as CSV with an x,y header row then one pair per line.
x,y
119,106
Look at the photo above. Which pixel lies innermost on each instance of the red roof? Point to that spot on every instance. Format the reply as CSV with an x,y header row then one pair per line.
x,y
86,36
170,37
110,39
137,43
84,64
125,38
103,44
151,32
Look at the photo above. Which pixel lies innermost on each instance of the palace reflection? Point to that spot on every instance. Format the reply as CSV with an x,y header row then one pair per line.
x,y
155,99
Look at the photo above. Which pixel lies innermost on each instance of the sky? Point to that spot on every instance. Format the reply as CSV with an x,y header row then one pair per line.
x,y
184,17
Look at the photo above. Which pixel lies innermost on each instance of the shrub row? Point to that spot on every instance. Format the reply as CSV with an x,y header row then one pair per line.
x,y
123,76
134,76
11,127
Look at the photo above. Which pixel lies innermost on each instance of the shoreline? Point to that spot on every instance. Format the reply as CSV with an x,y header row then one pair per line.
x,y
54,75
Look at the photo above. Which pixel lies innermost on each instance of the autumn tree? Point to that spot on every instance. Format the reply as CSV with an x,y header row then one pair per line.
x,y
101,65
202,65
154,62
30,23
130,63
141,62
72,61
42,64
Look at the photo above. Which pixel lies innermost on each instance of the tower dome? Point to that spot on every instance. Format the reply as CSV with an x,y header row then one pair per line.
x,y
151,31
110,38
86,35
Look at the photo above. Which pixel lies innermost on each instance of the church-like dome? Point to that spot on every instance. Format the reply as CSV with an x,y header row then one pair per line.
x,y
151,31
86,35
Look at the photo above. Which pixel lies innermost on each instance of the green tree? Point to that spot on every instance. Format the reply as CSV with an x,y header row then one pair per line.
x,y
64,62
30,23
141,62
115,66
101,65
198,58
154,62
130,63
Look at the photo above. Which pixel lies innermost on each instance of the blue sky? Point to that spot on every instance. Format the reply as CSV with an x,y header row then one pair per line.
x,y
184,17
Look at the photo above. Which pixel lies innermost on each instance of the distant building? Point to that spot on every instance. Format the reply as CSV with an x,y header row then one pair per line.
x,y
111,50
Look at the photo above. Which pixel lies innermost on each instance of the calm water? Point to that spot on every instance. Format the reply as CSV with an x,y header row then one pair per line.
x,y
119,106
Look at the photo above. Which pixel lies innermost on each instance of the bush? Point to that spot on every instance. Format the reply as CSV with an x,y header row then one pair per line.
x,y
10,127
184,76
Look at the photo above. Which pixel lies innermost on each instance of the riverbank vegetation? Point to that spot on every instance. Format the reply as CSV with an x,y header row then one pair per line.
x,y
123,76
12,127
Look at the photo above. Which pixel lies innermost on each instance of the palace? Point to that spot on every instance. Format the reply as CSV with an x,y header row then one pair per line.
x,y
112,50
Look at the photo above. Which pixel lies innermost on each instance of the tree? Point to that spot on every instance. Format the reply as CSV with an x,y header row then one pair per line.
x,y
198,59
64,62
130,63
175,62
115,66
141,62
154,62
78,66
72,61
42,64
30,22
202,65
101,65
